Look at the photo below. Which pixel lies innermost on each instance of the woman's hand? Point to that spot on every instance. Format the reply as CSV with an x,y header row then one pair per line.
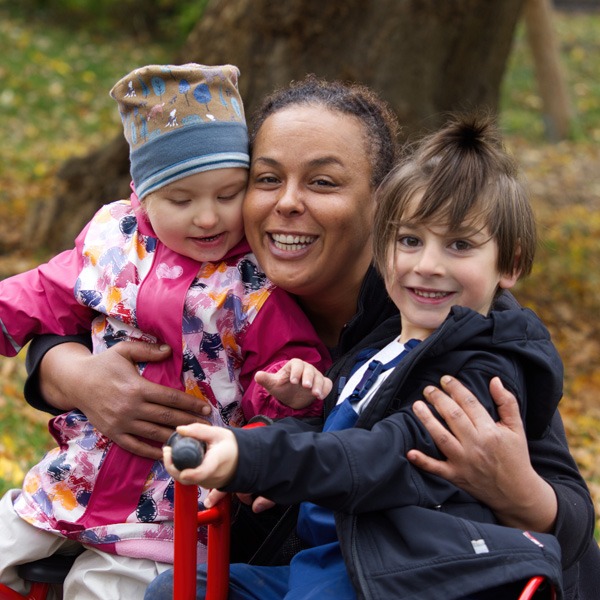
x,y
116,399
487,459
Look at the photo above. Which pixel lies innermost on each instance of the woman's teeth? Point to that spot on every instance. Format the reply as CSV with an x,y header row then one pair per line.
x,y
292,242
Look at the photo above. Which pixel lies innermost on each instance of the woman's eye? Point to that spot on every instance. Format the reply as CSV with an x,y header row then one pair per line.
x,y
266,179
324,183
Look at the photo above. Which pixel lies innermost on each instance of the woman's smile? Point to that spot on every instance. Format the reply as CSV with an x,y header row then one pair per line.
x,y
291,242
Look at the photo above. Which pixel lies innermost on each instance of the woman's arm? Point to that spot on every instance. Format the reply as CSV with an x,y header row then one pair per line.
x,y
533,485
41,394
108,388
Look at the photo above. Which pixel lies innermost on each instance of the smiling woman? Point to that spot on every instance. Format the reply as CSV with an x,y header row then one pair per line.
x,y
308,207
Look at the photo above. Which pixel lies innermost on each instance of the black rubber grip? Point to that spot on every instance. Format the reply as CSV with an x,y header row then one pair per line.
x,y
187,452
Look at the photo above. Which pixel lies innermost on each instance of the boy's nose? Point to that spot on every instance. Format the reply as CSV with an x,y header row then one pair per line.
x,y
430,262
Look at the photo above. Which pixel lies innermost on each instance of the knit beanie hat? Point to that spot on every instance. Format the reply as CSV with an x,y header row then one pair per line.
x,y
181,120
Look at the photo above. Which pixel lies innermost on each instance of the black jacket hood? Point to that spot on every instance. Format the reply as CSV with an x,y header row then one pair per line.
x,y
513,329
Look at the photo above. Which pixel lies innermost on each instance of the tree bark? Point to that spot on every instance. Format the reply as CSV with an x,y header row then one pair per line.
x,y
557,111
426,57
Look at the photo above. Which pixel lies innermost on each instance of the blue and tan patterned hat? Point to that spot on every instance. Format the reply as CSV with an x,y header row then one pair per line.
x,y
180,120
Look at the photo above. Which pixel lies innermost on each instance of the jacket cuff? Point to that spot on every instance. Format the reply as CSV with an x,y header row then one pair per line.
x,y
35,353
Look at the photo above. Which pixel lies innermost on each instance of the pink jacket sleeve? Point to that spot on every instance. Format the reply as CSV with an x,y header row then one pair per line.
x,y
280,332
42,300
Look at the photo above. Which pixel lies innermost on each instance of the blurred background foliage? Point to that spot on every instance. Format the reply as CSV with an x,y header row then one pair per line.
x,y
60,59
142,19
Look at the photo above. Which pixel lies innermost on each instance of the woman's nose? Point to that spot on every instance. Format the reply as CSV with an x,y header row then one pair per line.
x,y
290,201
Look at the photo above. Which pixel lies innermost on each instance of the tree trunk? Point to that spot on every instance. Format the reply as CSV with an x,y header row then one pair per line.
x,y
557,110
426,57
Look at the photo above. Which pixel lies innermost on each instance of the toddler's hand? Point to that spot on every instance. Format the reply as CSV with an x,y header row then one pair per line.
x,y
296,384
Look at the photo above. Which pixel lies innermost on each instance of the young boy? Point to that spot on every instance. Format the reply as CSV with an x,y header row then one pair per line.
x,y
453,231
170,264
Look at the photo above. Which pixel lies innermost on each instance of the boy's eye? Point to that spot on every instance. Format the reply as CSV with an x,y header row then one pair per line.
x,y
461,245
408,240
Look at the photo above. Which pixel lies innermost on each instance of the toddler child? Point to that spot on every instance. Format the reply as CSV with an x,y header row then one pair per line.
x,y
170,264
453,231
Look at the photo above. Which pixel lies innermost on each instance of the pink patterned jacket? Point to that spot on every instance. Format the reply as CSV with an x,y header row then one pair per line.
x,y
223,321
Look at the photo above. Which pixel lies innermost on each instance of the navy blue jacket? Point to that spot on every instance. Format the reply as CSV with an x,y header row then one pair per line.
x,y
405,533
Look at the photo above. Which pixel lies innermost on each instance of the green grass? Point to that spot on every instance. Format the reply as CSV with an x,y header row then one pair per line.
x,y
24,436
56,88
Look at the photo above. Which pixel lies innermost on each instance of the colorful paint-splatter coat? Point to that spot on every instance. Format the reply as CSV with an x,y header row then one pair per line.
x,y
128,286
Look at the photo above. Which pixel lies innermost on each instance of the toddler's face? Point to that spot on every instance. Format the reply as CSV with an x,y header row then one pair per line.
x,y
200,216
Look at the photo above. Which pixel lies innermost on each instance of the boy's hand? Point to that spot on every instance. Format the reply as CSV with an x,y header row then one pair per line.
x,y
296,384
214,497
220,459
258,503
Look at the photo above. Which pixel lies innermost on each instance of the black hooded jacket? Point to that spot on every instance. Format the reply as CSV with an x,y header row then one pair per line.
x,y
405,533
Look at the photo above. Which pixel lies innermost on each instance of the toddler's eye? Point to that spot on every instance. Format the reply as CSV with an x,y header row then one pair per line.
x,y
231,195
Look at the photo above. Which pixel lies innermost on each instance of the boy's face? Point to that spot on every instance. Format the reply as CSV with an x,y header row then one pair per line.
x,y
200,216
430,269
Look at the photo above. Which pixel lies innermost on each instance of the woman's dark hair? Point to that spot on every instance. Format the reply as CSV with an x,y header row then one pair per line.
x,y
380,124
459,175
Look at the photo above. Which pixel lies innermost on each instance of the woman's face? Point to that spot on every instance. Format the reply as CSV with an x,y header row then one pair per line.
x,y
308,209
